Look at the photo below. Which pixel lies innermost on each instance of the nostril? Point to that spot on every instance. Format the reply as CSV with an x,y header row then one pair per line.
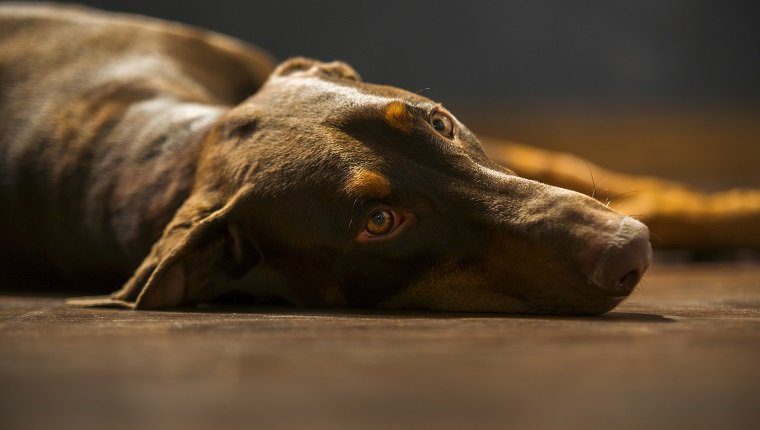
x,y
628,281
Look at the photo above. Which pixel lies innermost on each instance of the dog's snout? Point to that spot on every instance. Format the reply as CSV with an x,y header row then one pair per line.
x,y
623,261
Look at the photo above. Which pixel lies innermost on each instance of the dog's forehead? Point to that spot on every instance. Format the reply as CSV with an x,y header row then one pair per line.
x,y
341,93
362,126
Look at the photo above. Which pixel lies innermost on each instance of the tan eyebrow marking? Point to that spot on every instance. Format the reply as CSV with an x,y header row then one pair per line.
x,y
397,116
368,183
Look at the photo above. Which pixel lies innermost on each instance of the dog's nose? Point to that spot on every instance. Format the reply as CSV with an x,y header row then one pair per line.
x,y
622,263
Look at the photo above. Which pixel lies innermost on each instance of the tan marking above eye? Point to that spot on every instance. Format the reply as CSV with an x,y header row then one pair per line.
x,y
368,184
398,116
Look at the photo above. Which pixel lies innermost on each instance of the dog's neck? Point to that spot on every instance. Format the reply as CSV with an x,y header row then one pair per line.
x,y
162,157
124,165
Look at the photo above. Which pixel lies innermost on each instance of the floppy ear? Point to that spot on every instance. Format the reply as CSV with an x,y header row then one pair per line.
x,y
201,250
334,69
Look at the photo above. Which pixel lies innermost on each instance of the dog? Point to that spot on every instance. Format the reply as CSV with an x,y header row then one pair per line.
x,y
190,165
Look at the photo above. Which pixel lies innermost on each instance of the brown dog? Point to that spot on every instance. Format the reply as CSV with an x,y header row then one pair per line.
x,y
132,145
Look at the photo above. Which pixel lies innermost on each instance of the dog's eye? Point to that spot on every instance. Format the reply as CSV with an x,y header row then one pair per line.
x,y
442,123
381,222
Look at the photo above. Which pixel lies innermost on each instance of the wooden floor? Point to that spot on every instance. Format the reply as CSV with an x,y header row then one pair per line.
x,y
683,352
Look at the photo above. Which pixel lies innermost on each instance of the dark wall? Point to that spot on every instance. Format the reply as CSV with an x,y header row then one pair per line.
x,y
508,51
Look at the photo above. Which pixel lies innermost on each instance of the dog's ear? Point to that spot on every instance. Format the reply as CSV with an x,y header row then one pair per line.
x,y
334,69
201,250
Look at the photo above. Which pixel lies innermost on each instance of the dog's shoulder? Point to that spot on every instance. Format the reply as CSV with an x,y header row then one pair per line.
x,y
77,40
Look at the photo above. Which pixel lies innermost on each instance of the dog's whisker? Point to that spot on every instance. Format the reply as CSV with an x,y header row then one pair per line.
x,y
593,192
424,89
351,215
623,194
609,200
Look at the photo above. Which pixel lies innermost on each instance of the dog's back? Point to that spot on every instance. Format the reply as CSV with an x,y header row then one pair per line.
x,y
71,78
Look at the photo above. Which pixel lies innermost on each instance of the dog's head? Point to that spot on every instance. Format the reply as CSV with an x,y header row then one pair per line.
x,y
327,191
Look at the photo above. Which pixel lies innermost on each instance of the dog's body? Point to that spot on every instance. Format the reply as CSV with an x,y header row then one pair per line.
x,y
133,143
85,187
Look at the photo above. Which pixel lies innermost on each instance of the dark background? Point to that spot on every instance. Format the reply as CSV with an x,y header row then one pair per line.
x,y
508,51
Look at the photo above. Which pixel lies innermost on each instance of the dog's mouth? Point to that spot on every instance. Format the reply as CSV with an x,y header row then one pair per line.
x,y
615,273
